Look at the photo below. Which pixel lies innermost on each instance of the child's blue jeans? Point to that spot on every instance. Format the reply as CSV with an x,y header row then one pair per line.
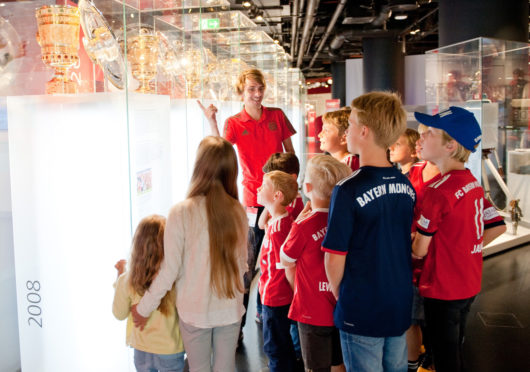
x,y
277,342
149,362
374,354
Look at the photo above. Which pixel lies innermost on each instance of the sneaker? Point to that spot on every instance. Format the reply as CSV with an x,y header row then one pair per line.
x,y
259,319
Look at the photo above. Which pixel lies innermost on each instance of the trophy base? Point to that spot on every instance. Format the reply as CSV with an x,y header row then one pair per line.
x,y
146,87
61,85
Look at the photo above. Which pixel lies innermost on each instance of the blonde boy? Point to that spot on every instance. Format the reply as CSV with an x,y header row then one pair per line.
x,y
276,192
367,243
455,222
313,302
333,137
403,151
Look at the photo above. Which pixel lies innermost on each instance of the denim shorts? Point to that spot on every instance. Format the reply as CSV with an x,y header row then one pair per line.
x,y
374,354
149,362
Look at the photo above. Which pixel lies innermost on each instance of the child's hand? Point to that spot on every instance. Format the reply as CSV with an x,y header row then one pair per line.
x,y
139,321
120,266
209,112
307,209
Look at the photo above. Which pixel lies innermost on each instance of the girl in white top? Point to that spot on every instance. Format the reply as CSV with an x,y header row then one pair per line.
x,y
205,254
159,346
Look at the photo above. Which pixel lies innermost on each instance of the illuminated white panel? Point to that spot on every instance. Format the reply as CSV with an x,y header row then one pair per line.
x,y
9,352
72,213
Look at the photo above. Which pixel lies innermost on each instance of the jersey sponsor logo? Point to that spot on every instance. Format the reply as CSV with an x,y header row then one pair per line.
x,y
490,213
424,222
245,133
389,178
371,195
319,234
401,188
477,248
467,188
324,287
272,126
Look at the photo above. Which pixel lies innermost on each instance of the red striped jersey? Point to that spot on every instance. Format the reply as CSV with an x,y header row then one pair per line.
x,y
273,285
455,213
352,161
295,207
313,302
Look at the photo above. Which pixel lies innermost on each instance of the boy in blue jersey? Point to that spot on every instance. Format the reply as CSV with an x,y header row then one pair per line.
x,y
367,244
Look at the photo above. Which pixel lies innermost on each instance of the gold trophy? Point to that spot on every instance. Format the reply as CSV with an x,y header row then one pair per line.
x,y
142,53
58,37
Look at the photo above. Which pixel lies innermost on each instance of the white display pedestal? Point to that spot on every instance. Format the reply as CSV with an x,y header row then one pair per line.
x,y
81,178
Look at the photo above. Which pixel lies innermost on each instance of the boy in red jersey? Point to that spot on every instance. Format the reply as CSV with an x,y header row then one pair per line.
x,y
333,137
421,175
313,302
276,192
286,162
403,151
456,221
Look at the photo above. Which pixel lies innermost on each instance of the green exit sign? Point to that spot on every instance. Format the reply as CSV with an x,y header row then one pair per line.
x,y
210,24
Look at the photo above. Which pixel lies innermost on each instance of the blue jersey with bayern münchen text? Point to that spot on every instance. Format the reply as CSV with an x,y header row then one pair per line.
x,y
370,220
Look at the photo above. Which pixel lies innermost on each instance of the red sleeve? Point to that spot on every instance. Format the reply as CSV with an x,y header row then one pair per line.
x,y
229,132
492,218
434,206
294,244
286,126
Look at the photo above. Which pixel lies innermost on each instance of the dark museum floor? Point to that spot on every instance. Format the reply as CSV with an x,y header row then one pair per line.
x,y
497,335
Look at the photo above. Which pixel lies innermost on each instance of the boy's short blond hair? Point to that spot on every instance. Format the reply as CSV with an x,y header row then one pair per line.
x,y
284,183
461,154
383,114
252,74
338,118
323,172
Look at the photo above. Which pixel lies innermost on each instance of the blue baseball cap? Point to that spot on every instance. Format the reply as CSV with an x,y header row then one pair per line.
x,y
459,123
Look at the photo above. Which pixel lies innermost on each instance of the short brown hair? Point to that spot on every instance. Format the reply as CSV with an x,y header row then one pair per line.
x,y
284,183
252,74
283,161
461,153
383,113
338,118
324,171
412,136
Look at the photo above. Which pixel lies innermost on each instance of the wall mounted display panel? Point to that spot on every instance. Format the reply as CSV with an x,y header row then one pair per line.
x,y
79,187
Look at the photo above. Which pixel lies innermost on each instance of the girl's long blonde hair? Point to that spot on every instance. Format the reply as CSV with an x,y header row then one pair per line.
x,y
146,257
215,177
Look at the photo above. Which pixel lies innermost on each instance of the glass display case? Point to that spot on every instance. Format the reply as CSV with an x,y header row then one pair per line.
x,y
490,78
99,127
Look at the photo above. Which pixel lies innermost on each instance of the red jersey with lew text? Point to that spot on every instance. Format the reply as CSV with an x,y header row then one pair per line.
x,y
273,285
313,301
256,141
455,213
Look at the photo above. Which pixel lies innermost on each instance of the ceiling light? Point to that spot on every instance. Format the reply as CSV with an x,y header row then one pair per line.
x,y
414,32
330,81
276,41
247,4
400,16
